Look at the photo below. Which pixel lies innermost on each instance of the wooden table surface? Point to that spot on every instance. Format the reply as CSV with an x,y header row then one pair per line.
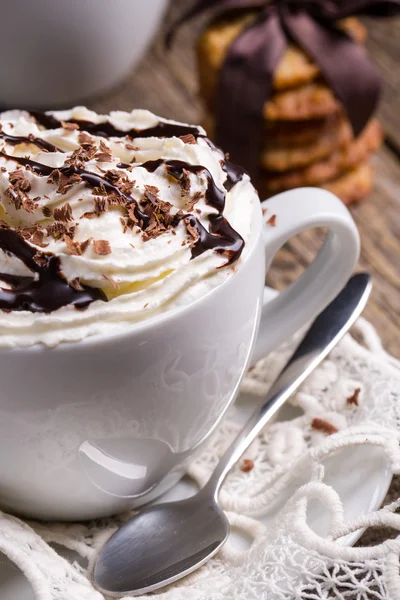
x,y
166,84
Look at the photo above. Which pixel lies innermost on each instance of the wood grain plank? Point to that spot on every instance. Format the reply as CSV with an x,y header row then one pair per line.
x,y
384,45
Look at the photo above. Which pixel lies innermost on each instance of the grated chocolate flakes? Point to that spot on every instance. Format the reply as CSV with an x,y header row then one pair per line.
x,y
188,139
104,155
69,126
353,399
19,181
324,426
247,465
151,193
63,214
64,182
185,183
84,138
37,239
192,230
101,247
76,284
47,212
100,205
193,200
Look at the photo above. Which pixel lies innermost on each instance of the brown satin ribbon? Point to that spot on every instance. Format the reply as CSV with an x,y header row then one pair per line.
x,y
246,78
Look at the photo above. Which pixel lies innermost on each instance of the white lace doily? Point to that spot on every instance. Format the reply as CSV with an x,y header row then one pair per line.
x,y
286,560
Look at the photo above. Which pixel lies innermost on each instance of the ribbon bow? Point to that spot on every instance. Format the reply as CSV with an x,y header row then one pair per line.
x,y
246,76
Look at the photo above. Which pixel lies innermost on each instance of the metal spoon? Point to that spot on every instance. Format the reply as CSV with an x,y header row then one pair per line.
x,y
164,542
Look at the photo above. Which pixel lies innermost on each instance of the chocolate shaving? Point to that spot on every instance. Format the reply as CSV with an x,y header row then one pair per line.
x,y
323,426
69,126
76,284
193,200
19,181
73,248
47,212
85,244
131,147
57,230
89,215
100,190
17,192
126,186
100,205
163,207
40,260
192,230
37,239
105,154
272,221
124,224
247,465
63,181
188,139
151,192
84,138
29,204
185,182
15,197
353,399
25,232
82,155
76,248
101,247
64,213
113,176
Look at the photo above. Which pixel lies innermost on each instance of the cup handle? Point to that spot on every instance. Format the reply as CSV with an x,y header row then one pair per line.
x,y
296,211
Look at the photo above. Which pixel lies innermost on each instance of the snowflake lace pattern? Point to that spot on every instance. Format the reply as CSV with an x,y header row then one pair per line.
x,y
287,560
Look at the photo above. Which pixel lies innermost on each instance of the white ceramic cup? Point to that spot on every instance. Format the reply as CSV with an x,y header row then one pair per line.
x,y
94,428
58,52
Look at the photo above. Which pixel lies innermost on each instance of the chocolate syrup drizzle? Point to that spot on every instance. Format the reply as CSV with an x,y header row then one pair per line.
x,y
106,129
234,173
214,196
15,140
221,237
49,291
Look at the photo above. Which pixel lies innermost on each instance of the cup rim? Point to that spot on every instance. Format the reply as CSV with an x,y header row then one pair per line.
x,y
158,319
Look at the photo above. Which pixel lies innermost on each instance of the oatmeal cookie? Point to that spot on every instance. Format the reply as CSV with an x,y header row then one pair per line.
x,y
330,168
354,185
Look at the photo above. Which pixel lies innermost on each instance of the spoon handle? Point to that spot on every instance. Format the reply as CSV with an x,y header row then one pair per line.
x,y
326,330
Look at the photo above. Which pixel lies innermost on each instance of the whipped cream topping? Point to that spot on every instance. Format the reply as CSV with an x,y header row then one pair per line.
x,y
110,219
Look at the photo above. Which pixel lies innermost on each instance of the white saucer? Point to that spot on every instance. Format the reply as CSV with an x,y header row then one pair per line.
x,y
361,476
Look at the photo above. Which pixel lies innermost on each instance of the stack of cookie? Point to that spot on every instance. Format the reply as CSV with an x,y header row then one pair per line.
x,y
308,139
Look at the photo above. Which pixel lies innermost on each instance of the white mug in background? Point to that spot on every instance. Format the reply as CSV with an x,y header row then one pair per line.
x,y
59,52
93,428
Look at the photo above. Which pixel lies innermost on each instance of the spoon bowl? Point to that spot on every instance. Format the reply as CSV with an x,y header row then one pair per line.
x,y
179,536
